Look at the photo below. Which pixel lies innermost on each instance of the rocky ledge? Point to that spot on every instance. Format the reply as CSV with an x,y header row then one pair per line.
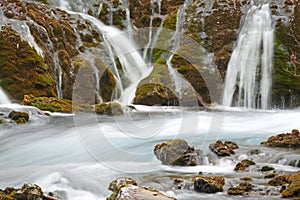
x,y
284,140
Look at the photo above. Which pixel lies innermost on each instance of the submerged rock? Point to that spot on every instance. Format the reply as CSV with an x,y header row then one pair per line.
x,y
241,189
223,149
177,152
284,140
243,165
112,108
126,188
267,168
208,184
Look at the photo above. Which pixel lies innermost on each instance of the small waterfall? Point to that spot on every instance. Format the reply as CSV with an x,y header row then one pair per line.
x,y
249,74
177,79
4,98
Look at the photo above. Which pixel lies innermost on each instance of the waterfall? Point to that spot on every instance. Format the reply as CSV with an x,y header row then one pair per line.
x,y
4,98
249,73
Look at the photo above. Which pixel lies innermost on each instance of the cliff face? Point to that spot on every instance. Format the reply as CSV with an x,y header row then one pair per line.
x,y
42,47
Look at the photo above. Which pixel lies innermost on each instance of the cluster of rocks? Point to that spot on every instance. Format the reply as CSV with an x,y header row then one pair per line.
x,y
14,116
28,191
223,149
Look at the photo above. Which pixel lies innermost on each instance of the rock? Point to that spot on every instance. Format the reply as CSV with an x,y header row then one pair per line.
x,y
271,175
246,178
126,188
284,140
280,180
267,168
208,184
51,104
243,165
293,190
223,149
182,184
241,189
254,152
29,192
177,152
295,163
112,108
19,117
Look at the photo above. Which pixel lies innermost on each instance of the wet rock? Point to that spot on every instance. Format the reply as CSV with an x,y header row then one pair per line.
x,y
126,188
19,117
208,184
280,180
223,149
243,165
29,192
241,189
51,104
112,108
271,175
254,152
182,184
267,168
246,178
293,190
295,163
284,140
177,152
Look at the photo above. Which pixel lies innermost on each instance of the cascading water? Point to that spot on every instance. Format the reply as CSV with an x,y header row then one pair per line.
x,y
249,74
4,99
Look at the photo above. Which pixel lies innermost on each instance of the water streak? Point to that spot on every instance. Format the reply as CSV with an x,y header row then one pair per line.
x,y
249,74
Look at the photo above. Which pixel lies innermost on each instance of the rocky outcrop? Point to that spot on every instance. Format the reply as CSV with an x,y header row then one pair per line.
x,y
244,165
223,149
112,108
241,189
177,152
208,184
284,140
126,188
51,104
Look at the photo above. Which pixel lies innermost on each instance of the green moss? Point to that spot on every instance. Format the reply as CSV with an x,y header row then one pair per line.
x,y
111,108
19,117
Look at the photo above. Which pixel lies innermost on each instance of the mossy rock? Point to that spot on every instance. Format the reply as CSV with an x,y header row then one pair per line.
x,y
293,190
51,104
112,108
267,168
157,88
19,117
244,165
22,69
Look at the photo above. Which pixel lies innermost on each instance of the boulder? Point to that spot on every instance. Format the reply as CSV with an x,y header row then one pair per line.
x,y
208,184
29,191
284,140
19,117
112,108
177,152
243,165
267,168
223,149
280,180
293,190
125,188
241,189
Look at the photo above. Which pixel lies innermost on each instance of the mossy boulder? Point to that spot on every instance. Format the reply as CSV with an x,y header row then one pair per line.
x,y
177,152
208,184
157,88
244,165
19,117
125,188
51,104
111,108
284,140
280,180
28,191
